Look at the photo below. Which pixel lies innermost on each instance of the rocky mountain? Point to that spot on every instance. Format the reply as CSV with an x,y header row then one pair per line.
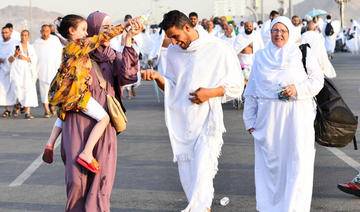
x,y
351,9
19,16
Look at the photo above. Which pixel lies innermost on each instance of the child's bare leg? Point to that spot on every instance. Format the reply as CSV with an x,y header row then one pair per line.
x,y
96,133
97,112
55,133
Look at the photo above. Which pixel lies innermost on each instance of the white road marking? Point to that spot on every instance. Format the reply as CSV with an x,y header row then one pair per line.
x,y
340,154
31,169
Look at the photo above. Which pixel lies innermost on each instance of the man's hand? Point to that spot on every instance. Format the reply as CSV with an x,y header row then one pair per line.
x,y
1,60
200,96
149,74
251,130
21,57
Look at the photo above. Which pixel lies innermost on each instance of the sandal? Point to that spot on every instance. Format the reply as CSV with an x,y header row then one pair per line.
x,y
29,116
48,155
52,110
93,166
47,115
350,188
6,113
22,109
15,112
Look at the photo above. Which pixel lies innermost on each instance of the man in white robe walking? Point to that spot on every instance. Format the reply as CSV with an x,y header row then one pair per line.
x,y
48,50
194,18
265,29
316,42
295,20
14,34
247,44
330,39
23,75
228,35
7,49
202,72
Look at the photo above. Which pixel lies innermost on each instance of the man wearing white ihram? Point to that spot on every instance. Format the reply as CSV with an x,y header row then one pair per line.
x,y
201,72
247,44
23,74
283,130
7,49
49,50
316,42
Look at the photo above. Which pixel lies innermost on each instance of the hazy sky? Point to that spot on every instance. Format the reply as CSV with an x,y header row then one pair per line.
x,y
118,8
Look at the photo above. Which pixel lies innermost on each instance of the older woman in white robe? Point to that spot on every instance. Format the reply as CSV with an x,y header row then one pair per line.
x,y
283,130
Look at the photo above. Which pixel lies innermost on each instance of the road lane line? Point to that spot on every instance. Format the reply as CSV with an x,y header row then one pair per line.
x,y
30,169
340,154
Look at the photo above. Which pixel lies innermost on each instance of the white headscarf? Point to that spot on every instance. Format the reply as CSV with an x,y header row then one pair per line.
x,y
279,57
275,67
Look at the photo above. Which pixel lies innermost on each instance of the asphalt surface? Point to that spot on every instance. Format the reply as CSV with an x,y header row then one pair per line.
x,y
147,179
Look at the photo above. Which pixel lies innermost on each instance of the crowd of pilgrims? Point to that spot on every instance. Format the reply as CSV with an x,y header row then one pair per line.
x,y
23,63
53,59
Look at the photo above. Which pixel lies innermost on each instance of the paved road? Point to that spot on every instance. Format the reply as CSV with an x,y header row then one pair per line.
x,y
146,179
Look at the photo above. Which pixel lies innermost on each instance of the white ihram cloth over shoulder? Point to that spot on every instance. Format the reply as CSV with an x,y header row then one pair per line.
x,y
316,42
284,135
242,41
7,49
23,76
265,32
209,63
195,131
230,40
49,53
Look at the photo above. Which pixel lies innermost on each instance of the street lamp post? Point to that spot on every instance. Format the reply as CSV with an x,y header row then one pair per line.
x,y
30,14
342,4
291,9
262,11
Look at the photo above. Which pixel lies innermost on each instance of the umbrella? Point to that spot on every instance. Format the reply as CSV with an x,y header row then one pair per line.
x,y
316,12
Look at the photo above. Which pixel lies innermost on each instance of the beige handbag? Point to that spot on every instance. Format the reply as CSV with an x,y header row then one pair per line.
x,y
116,113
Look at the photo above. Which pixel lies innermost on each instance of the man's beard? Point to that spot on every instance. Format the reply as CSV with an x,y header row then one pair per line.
x,y
248,32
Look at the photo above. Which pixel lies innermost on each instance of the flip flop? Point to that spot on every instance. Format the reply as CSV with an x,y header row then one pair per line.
x,y
48,154
350,188
93,166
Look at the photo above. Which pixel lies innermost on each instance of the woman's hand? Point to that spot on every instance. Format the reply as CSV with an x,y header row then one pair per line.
x,y
136,27
290,90
251,130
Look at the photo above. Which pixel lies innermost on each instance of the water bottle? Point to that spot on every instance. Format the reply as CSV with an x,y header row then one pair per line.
x,y
224,201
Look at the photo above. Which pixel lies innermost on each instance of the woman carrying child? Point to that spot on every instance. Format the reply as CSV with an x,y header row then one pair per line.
x,y
87,191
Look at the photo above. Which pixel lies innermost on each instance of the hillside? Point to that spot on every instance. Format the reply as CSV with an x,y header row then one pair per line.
x,y
20,17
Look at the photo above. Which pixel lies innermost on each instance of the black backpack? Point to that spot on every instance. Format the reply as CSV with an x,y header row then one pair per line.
x,y
335,124
329,30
